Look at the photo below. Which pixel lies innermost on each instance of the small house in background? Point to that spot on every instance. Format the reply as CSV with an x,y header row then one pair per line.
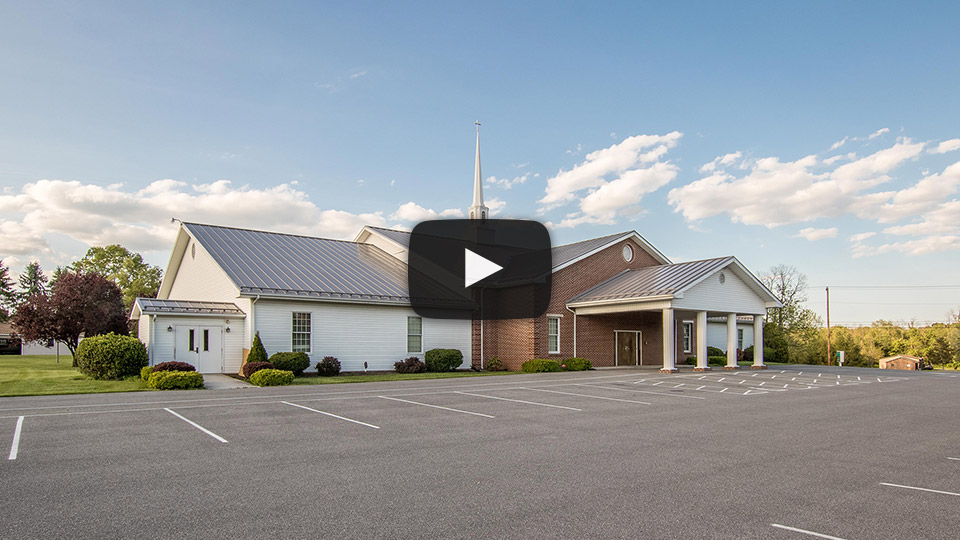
x,y
8,343
901,361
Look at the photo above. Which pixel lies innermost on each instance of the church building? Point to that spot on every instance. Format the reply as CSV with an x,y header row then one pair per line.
x,y
616,300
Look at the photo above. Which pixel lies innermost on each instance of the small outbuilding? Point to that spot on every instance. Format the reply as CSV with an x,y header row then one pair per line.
x,y
901,361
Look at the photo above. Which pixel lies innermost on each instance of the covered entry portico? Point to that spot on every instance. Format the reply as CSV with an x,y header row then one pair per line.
x,y
667,307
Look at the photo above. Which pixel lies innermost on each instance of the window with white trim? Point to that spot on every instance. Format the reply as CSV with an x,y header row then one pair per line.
x,y
687,337
553,335
300,338
414,335
740,338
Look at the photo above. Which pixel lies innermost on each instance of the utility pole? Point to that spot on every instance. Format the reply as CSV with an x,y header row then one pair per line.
x,y
829,360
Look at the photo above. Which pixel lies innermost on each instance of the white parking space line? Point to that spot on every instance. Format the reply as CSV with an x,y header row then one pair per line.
x,y
954,458
591,396
436,406
15,445
640,391
331,414
198,426
521,401
921,489
804,531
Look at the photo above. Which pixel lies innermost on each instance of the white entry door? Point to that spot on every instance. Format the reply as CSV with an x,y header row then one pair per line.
x,y
201,346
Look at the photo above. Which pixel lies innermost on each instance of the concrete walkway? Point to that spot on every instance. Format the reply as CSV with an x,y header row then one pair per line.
x,y
219,381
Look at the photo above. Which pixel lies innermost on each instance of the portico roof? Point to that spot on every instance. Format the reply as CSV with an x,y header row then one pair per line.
x,y
667,282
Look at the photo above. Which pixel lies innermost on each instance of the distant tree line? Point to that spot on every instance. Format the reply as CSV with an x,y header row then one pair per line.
x,y
795,334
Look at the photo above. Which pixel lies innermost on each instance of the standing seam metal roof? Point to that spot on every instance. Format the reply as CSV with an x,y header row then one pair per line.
x,y
561,254
261,262
651,281
154,305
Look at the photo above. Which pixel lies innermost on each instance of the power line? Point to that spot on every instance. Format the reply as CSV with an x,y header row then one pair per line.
x,y
887,286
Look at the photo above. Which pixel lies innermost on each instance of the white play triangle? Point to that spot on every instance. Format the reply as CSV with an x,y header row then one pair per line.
x,y
476,267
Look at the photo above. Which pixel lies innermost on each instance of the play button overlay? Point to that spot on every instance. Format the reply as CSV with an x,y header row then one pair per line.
x,y
475,269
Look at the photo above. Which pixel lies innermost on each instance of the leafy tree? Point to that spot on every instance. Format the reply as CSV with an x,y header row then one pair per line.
x,y
789,286
78,304
32,281
8,296
125,268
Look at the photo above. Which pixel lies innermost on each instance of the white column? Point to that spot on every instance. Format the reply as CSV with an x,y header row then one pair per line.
x,y
732,341
702,364
758,343
669,342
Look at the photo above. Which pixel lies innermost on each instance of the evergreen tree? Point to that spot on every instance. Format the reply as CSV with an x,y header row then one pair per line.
x,y
8,295
32,281
257,352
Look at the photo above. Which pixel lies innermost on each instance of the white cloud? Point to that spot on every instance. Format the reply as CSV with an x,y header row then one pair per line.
x,y
878,133
495,205
813,234
413,212
946,146
839,143
860,237
140,218
724,160
506,183
613,180
357,73
361,181
774,193
576,150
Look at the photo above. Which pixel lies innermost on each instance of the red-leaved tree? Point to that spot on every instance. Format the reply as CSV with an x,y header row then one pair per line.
x,y
78,304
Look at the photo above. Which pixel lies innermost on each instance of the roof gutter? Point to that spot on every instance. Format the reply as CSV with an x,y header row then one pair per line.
x,y
614,301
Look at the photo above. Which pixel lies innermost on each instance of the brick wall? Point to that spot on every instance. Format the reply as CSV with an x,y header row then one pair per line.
x,y
515,341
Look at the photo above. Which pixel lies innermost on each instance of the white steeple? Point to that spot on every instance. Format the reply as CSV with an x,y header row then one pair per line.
x,y
477,209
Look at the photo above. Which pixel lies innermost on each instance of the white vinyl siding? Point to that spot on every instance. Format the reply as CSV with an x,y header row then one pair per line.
x,y
414,335
687,336
732,296
161,344
717,334
201,278
301,334
358,333
553,335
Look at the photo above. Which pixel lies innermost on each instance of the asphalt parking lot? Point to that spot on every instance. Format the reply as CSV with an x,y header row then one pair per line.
x,y
789,452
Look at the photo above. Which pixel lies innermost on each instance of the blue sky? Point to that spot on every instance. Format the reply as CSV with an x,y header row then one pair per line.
x,y
710,128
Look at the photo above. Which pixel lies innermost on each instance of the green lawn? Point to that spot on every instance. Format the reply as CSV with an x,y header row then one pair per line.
x,y
384,377
42,375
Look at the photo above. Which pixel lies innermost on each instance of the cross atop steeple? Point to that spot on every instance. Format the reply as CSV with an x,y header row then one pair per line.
x,y
477,209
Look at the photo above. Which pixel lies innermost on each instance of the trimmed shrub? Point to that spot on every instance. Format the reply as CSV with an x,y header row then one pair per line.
x,y
691,361
716,360
257,352
443,359
410,365
747,354
272,377
250,368
145,373
175,380
576,364
291,361
328,367
714,351
495,364
174,366
111,356
540,365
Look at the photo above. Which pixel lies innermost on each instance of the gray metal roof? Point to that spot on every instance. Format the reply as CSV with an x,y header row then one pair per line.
x,y
651,281
561,254
567,252
154,305
400,237
270,263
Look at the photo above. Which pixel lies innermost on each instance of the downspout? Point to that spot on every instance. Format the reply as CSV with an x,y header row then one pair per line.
x,y
574,330
150,334
253,317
